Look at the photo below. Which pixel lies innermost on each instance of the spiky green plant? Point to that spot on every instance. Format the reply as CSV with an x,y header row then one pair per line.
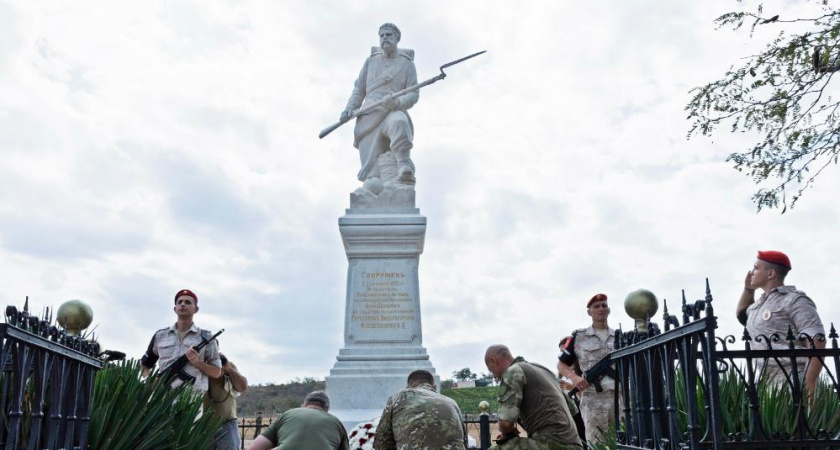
x,y
128,412
608,441
825,409
775,406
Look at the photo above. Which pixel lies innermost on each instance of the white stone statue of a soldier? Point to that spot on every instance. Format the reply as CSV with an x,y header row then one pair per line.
x,y
389,127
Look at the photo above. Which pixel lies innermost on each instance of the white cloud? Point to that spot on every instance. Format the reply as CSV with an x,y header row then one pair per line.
x,y
155,146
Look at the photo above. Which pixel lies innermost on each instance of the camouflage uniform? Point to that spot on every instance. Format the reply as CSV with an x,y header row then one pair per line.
x,y
529,394
420,419
597,408
774,312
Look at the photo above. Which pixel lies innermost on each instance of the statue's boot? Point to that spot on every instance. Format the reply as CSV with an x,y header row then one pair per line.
x,y
405,167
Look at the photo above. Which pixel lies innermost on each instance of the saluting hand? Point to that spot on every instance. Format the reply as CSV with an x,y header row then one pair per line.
x,y
748,281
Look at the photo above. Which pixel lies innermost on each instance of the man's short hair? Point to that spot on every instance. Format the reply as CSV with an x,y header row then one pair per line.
x,y
393,27
317,398
419,377
499,351
781,270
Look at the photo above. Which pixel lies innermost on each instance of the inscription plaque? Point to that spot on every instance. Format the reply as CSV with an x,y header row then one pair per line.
x,y
382,307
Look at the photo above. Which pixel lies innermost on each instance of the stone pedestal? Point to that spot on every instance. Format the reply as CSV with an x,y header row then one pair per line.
x,y
383,339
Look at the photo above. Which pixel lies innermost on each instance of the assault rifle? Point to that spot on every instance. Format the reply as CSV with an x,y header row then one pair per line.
x,y
176,369
598,371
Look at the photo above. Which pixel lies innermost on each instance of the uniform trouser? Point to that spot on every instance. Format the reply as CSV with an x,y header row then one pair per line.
x,y
534,443
598,413
227,436
394,133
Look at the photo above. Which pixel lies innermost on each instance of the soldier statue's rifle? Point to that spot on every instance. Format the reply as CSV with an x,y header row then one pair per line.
x,y
397,94
176,369
598,371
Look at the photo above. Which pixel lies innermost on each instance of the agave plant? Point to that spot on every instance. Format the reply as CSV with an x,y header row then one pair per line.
x,y
129,412
778,418
608,441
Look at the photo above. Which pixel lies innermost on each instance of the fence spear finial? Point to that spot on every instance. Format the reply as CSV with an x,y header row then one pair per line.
x,y
708,292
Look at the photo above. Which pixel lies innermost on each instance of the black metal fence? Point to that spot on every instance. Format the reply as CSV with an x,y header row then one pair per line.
x,y
250,430
480,423
45,384
685,389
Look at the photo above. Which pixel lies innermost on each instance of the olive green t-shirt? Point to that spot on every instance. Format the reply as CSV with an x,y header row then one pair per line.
x,y
307,428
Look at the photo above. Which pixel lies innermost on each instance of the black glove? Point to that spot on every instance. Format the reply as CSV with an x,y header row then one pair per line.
x,y
504,437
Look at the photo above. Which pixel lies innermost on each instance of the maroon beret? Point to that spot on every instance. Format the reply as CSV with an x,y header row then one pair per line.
x,y
596,298
188,293
775,257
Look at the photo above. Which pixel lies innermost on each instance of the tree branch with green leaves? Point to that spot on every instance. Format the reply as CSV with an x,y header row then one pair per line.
x,y
781,94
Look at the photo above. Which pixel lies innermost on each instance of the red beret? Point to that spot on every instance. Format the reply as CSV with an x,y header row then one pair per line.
x,y
775,257
596,298
188,293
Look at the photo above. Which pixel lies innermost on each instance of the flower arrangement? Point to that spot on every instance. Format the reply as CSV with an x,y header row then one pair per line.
x,y
361,436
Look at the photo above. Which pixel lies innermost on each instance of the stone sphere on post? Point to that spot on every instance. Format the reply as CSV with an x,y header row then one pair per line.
x,y
482,406
641,305
74,316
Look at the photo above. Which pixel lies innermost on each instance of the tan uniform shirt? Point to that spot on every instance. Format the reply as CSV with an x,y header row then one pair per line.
x,y
779,309
589,349
166,347
774,312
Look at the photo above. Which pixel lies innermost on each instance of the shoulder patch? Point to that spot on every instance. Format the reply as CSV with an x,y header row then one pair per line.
x,y
568,343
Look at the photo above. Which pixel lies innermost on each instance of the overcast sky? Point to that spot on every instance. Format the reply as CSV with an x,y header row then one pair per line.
x,y
159,145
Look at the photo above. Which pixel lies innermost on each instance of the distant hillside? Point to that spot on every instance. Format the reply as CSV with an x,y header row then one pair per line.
x,y
275,398
469,398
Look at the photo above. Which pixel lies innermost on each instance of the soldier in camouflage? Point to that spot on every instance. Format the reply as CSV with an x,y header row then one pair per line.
x,y
586,347
781,306
418,418
529,394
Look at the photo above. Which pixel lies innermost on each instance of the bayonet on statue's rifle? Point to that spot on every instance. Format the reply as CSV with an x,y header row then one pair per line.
x,y
599,370
397,94
176,369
